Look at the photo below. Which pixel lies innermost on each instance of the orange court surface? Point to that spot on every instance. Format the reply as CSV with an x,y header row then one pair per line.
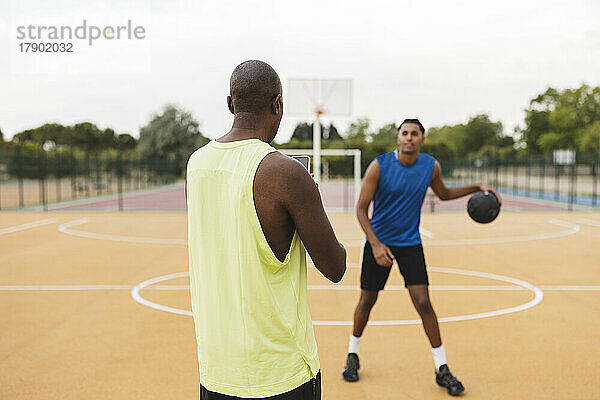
x,y
95,305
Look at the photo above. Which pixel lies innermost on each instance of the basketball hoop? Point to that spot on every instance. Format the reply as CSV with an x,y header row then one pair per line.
x,y
316,97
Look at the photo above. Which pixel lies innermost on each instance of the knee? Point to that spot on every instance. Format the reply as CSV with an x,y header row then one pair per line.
x,y
423,305
367,302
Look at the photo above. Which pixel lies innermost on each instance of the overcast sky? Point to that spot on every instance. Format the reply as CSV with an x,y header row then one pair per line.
x,y
440,61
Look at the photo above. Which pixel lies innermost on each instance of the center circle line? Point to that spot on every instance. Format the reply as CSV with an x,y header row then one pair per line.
x,y
538,296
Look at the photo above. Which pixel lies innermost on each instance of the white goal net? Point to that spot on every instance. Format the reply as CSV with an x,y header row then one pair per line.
x,y
340,180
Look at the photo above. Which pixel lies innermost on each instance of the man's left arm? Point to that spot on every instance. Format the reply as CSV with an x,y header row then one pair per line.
x,y
445,193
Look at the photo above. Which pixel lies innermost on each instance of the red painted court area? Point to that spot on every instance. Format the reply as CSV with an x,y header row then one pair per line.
x,y
337,196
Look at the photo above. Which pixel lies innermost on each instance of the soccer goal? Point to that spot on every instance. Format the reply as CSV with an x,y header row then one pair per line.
x,y
340,179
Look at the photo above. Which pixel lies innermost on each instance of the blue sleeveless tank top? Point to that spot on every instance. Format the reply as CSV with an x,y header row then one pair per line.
x,y
399,197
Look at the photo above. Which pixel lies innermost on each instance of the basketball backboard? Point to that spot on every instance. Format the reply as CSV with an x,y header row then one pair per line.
x,y
332,97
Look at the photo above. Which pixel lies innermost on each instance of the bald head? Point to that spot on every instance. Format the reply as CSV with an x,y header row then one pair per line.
x,y
253,86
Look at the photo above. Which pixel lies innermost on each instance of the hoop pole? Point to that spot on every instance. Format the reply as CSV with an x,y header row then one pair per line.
x,y
356,176
317,148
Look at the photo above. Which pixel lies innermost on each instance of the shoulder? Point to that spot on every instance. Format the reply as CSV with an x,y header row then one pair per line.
x,y
198,152
427,158
284,179
373,169
436,169
277,168
386,156
278,162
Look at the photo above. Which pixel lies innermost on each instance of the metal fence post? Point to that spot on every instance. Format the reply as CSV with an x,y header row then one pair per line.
x,y
87,173
73,176
572,185
542,178
107,170
58,175
515,170
556,181
20,175
527,177
97,178
42,177
595,180
120,179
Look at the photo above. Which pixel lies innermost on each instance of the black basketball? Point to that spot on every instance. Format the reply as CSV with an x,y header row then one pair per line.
x,y
483,208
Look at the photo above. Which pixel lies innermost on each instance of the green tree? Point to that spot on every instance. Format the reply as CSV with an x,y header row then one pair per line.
x,y
331,133
439,149
537,119
383,140
440,142
559,119
85,135
589,139
172,134
54,132
126,141
359,136
304,131
479,132
23,160
479,137
107,139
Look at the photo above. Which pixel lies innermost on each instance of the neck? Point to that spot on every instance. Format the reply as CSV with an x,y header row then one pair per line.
x,y
247,126
407,158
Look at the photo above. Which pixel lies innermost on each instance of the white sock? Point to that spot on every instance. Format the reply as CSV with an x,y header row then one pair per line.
x,y
439,356
353,346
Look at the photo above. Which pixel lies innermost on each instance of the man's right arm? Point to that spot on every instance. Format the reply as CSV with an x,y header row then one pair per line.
x,y
383,255
302,200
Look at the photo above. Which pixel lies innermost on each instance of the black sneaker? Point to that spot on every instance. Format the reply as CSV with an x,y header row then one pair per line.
x,y
445,379
350,373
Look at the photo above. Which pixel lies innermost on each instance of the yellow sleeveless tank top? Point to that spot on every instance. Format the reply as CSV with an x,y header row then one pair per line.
x,y
253,327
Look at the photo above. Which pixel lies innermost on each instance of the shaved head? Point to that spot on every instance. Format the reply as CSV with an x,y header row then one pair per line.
x,y
253,86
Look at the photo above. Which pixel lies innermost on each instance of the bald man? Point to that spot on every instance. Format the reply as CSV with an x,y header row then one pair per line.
x,y
252,214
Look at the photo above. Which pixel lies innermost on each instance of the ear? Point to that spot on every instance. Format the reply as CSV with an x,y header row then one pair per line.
x,y
230,104
277,105
422,138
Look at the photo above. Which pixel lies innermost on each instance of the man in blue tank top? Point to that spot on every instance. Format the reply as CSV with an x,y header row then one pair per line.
x,y
397,182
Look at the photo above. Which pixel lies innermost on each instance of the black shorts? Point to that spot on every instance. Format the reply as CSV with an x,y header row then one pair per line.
x,y
311,390
411,262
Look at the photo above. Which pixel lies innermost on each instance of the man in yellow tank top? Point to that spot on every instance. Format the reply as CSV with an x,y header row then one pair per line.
x,y
251,212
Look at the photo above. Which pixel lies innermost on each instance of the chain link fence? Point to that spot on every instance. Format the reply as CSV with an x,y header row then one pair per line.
x,y
539,178
31,176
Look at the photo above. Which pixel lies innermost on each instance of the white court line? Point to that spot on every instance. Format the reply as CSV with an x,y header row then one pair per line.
x,y
64,287
573,228
42,288
135,293
426,233
29,225
589,222
539,295
86,287
433,287
66,228
422,230
571,287
571,231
